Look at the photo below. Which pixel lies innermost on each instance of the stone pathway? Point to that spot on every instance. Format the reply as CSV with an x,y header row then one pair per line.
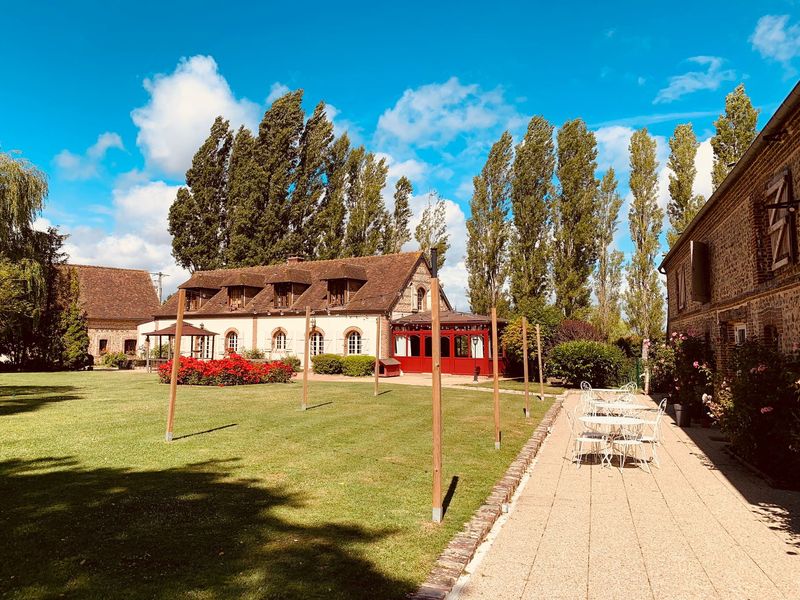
x,y
699,527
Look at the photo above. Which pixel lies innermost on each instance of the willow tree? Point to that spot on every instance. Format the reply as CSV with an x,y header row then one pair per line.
x,y
23,189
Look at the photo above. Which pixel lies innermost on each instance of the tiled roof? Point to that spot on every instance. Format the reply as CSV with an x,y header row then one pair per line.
x,y
446,316
111,293
384,277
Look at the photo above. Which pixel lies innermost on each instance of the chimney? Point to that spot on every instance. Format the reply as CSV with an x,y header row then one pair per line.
x,y
293,260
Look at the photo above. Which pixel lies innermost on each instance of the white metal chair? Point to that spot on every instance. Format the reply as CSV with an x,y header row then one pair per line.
x,y
652,435
583,437
628,442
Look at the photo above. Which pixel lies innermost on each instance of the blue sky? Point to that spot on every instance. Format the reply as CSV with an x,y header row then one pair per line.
x,y
111,100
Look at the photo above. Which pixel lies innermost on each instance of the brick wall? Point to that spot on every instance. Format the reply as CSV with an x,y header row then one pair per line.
x,y
115,332
744,288
408,301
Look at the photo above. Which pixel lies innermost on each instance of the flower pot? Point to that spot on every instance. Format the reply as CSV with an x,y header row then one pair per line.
x,y
682,417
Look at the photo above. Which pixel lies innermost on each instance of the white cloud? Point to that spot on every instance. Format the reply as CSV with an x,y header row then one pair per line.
x,y
703,162
86,166
454,273
276,90
613,148
774,40
341,126
694,81
435,114
180,111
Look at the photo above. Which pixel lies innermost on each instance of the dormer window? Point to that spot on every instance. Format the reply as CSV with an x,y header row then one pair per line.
x,y
236,297
337,292
196,298
282,295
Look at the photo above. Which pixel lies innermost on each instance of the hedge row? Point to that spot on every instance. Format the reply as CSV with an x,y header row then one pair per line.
x,y
357,365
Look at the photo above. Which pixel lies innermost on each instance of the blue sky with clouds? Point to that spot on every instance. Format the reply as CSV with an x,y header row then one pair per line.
x,y
111,100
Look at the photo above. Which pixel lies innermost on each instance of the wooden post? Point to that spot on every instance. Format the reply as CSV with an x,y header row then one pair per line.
x,y
496,369
525,364
436,376
377,354
539,354
306,359
176,363
147,351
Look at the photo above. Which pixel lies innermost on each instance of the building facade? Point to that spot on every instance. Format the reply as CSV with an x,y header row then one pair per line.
x,y
264,307
734,274
116,301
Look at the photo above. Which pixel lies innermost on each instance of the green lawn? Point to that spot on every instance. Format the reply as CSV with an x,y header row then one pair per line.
x,y
254,499
518,384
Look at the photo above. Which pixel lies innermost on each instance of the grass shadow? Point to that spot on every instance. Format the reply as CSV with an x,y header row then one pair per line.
x,y
193,531
320,405
15,399
448,497
213,429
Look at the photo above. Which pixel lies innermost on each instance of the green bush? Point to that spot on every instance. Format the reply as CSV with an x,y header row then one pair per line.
x,y
358,365
327,364
115,359
252,354
602,365
293,361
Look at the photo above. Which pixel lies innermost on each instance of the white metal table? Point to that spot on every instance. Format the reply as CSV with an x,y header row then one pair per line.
x,y
614,423
621,406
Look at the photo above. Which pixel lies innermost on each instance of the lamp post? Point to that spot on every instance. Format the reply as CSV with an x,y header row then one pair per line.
x,y
475,358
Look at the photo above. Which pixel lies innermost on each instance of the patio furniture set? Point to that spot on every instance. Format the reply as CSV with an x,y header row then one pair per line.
x,y
609,421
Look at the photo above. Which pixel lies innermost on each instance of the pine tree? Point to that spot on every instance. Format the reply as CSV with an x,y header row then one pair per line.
x,y
487,230
735,131
310,184
644,302
683,204
74,327
574,218
330,220
531,190
431,232
277,154
397,232
366,176
197,216
608,277
245,205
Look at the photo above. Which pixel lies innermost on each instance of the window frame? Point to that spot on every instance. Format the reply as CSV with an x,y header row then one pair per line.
x,y
737,329
421,297
351,336
280,334
232,348
316,343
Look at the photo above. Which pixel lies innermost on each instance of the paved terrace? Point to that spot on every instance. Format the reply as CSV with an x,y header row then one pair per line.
x,y
699,527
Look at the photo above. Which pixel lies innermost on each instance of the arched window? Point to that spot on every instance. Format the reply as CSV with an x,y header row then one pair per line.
x,y
317,343
232,341
421,299
279,341
354,342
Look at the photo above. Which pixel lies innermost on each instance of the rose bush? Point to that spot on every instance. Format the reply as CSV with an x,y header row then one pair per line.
x,y
233,370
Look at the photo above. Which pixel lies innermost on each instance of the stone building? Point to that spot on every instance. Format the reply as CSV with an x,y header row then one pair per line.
x,y
734,275
116,301
263,307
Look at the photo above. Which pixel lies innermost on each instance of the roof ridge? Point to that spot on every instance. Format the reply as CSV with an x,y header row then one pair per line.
x,y
104,267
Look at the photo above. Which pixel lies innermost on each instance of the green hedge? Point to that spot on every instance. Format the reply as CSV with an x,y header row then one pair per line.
x,y
293,362
358,365
327,364
602,365
115,359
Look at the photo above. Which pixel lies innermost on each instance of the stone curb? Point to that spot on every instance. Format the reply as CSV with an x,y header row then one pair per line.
x,y
459,552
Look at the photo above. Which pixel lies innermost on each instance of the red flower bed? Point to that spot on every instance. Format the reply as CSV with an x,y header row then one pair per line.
x,y
233,370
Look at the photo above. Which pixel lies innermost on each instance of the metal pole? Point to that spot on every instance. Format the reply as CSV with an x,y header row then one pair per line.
x,y
377,353
525,364
176,360
539,354
306,359
496,369
147,351
436,376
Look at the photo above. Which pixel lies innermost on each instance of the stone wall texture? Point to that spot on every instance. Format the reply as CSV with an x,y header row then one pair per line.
x,y
744,288
115,332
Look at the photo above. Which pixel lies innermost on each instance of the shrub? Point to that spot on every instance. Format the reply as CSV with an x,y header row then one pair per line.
x,y
234,370
602,365
293,361
692,373
661,361
571,330
252,354
358,365
115,359
327,364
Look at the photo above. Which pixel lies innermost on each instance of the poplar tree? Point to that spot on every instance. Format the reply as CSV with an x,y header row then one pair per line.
x,y
397,231
366,177
330,221
309,184
531,190
431,232
574,218
197,216
608,277
735,131
245,203
74,327
683,204
644,302
487,230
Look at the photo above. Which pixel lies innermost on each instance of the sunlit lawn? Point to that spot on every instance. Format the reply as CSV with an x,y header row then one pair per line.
x,y
269,502
519,384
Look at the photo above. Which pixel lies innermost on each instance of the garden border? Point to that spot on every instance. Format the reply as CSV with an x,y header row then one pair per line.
x,y
461,549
